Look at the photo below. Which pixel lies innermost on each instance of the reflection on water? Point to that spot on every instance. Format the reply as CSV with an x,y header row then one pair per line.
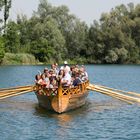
x,y
74,120
90,106
62,118
14,105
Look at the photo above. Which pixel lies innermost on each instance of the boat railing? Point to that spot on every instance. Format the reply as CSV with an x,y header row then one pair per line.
x,y
80,89
42,90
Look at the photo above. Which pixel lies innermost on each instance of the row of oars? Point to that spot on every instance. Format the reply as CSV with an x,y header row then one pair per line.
x,y
129,97
15,91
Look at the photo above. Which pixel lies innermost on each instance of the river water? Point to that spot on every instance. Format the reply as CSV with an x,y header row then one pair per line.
x,y
102,118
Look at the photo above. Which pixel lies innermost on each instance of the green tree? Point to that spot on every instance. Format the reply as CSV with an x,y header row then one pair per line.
x,y
112,57
25,27
116,38
49,40
7,6
76,41
54,34
1,20
2,52
12,38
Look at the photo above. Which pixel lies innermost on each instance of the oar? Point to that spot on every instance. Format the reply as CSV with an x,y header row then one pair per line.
x,y
125,92
126,97
114,90
107,93
15,89
4,92
117,93
12,92
18,88
115,96
16,94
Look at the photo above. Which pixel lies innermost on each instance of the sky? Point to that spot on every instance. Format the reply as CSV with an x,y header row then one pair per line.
x,y
86,10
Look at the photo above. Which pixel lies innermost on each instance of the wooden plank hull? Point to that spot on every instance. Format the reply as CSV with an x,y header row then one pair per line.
x,y
64,100
76,101
67,102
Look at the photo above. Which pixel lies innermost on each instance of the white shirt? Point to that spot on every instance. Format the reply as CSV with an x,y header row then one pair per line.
x,y
67,78
65,68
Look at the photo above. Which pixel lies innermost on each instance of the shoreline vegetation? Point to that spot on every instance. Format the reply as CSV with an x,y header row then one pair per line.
x,y
19,59
25,59
53,34
29,59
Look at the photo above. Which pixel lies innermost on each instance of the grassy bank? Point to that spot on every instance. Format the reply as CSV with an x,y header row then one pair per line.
x,y
18,59
29,59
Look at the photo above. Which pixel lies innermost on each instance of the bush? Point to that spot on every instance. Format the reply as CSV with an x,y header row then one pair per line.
x,y
19,58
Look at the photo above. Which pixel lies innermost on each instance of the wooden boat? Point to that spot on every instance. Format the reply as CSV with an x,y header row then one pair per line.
x,y
62,99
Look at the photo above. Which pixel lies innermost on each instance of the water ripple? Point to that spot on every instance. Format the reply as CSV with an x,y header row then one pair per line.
x,y
102,118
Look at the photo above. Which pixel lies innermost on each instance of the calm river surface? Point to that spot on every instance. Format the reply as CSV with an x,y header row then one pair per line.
x,y
102,118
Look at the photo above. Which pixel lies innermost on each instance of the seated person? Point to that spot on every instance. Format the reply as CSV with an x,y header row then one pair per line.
x,y
60,74
46,70
53,82
54,67
76,79
66,79
47,80
83,74
40,79
37,78
52,72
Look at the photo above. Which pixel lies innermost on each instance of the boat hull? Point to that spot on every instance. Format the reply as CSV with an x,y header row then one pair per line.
x,y
68,102
63,99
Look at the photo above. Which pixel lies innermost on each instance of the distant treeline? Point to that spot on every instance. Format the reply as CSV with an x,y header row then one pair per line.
x,y
53,34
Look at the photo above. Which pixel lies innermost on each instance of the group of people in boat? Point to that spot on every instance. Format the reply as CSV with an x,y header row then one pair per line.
x,y
65,75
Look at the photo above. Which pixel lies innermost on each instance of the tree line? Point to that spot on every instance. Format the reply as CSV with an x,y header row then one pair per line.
x,y
53,34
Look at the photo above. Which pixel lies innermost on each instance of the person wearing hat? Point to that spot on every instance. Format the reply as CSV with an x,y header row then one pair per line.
x,y
66,68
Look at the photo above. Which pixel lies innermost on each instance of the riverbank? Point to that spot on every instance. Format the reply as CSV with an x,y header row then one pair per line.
x,y
19,59
29,59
